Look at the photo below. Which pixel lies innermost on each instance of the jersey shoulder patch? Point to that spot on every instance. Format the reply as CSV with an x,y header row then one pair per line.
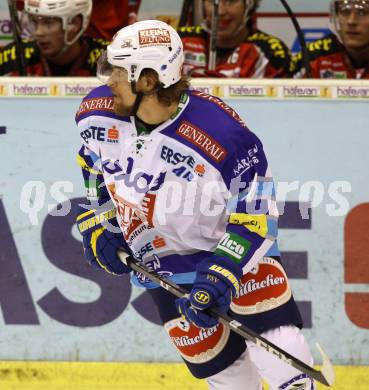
x,y
99,102
327,45
191,31
8,56
273,48
319,48
95,48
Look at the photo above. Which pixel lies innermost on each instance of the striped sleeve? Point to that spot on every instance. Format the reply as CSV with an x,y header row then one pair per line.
x,y
252,227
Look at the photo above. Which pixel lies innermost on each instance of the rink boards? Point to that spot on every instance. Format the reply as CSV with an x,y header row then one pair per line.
x,y
56,309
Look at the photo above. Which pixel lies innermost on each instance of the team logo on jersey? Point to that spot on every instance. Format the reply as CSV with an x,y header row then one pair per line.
x,y
202,140
264,288
134,219
154,37
101,134
197,345
194,59
331,74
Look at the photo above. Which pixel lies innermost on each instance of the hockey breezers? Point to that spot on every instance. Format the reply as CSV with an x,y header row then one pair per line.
x,y
325,376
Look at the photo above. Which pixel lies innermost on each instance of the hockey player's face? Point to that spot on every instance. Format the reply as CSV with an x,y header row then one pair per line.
x,y
231,17
124,99
353,19
48,34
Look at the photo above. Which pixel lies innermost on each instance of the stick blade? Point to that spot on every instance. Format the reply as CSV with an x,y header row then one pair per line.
x,y
327,367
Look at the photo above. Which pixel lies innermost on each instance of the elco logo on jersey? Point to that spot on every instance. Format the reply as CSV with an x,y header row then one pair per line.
x,y
101,134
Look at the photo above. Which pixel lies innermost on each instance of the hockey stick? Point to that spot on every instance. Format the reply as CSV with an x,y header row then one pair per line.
x,y
325,376
187,7
301,38
21,62
213,36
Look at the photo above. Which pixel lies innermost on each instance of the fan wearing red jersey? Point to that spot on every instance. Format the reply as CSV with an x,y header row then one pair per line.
x,y
58,46
241,49
108,16
345,53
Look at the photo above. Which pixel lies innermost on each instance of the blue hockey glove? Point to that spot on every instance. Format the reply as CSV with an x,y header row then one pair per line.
x,y
102,239
216,284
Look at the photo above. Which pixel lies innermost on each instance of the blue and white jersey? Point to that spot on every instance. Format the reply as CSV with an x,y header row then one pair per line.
x,y
198,185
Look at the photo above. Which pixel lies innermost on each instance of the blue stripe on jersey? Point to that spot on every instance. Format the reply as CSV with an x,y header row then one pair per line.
x,y
273,250
90,157
182,266
272,227
265,189
106,114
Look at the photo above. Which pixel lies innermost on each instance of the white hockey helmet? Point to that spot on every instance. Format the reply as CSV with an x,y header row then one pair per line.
x,y
150,44
66,10
356,4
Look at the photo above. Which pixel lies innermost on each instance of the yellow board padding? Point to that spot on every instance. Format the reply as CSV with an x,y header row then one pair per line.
x,y
131,376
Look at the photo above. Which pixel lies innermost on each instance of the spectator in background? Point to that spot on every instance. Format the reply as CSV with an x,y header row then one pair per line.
x,y
344,55
108,16
58,47
242,50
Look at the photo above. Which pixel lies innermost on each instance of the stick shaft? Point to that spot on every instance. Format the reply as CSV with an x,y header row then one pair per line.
x,y
213,36
21,62
234,325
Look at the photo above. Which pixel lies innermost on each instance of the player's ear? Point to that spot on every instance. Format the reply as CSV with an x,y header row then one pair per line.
x,y
148,81
75,25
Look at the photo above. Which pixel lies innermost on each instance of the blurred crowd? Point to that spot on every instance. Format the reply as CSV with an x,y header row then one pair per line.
x,y
66,38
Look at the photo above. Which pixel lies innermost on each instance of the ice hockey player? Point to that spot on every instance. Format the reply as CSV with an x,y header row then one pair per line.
x,y
345,53
176,179
58,46
241,49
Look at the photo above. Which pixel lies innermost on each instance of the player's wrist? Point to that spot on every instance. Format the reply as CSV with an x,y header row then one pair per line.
x,y
90,220
219,272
